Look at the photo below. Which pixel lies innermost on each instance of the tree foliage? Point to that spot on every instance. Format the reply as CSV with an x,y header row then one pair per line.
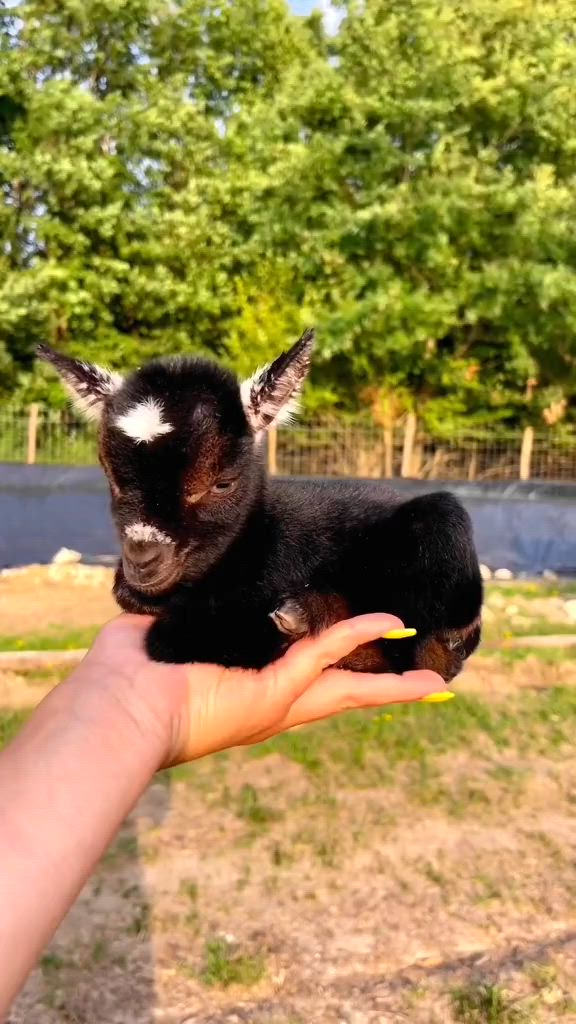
x,y
211,176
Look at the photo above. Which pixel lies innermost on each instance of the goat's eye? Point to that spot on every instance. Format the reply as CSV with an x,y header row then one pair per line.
x,y
224,486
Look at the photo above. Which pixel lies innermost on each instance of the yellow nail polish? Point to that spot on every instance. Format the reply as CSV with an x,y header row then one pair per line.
x,y
398,634
438,698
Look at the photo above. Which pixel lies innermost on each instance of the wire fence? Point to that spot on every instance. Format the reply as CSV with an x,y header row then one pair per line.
x,y
327,449
46,436
353,450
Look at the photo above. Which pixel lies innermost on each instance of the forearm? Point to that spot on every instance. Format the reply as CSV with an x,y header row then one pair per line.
x,y
88,752
66,784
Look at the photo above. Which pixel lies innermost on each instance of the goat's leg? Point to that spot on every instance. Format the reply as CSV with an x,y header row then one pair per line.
x,y
291,618
311,612
446,651
231,638
427,573
419,564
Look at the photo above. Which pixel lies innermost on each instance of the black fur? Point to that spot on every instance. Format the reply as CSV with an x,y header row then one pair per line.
x,y
242,545
414,559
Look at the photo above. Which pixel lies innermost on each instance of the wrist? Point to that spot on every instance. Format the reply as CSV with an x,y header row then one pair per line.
x,y
118,709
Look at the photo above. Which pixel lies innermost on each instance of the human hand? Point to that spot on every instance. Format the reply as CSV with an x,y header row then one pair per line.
x,y
199,709
87,753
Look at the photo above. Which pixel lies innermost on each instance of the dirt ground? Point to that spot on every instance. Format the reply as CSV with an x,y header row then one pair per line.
x,y
55,596
296,888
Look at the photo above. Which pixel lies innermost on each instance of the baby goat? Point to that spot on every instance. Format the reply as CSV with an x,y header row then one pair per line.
x,y
235,565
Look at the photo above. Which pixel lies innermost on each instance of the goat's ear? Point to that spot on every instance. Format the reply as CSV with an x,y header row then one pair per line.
x,y
271,395
87,383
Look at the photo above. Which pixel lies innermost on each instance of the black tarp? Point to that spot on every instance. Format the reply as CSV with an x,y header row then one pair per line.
x,y
525,527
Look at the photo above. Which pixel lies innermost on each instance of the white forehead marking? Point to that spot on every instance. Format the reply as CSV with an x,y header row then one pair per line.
x,y
143,422
143,531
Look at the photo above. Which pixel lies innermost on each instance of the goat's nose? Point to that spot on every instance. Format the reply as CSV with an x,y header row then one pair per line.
x,y
142,555
150,566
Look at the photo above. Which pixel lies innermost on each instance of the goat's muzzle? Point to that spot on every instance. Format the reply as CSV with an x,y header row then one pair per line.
x,y
150,566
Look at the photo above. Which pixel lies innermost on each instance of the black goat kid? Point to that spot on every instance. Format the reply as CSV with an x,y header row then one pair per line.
x,y
235,565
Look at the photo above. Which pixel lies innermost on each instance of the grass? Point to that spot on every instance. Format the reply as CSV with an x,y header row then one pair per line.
x,y
99,952
10,723
125,847
53,639
544,980
140,923
191,917
544,655
51,963
249,807
544,627
485,1004
487,888
365,749
189,889
225,965
542,975
42,676
281,855
362,749
510,777
433,874
531,589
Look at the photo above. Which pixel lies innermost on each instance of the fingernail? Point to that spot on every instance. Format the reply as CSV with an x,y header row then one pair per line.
x,y
398,634
438,698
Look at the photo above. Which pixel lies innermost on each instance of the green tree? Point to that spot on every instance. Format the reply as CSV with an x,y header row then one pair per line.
x,y
125,198
212,176
429,171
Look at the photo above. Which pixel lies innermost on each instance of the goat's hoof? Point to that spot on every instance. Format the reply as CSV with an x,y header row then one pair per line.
x,y
290,618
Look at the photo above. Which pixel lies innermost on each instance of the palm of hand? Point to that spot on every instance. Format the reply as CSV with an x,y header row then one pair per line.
x,y
205,708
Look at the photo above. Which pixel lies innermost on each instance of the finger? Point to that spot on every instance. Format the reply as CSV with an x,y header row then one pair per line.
x,y
307,658
336,691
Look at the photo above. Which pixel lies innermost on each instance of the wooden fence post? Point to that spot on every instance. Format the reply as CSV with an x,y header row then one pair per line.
x,y
526,452
272,451
388,452
32,433
436,463
409,436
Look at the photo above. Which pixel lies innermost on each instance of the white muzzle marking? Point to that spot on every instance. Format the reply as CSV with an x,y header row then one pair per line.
x,y
146,532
